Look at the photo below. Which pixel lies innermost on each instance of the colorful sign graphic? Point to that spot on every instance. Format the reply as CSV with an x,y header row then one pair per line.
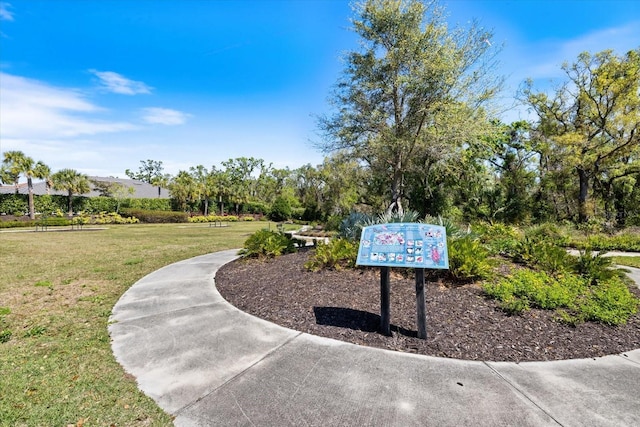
x,y
403,244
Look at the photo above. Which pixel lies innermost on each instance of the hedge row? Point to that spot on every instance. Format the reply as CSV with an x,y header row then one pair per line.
x,y
17,204
156,217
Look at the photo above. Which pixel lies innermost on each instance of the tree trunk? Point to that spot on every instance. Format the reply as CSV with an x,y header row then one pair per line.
x,y
396,195
70,203
582,196
32,209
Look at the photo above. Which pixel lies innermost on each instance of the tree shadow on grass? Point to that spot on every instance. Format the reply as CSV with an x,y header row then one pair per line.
x,y
355,319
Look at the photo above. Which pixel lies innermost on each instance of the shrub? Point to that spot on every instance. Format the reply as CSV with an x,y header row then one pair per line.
x,y
609,302
499,238
214,218
14,204
351,227
156,217
574,300
280,210
594,268
468,259
338,253
537,250
267,243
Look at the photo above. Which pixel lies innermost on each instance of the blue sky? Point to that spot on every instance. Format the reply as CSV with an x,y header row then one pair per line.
x,y
98,86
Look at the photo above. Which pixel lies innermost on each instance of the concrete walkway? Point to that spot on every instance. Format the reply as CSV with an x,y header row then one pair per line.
x,y
209,364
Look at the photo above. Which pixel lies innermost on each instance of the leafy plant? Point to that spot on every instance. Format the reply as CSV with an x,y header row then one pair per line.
x,y
351,227
594,267
338,253
469,259
267,243
280,209
609,302
572,296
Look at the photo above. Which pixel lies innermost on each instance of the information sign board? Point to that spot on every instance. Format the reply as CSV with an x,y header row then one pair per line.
x,y
403,244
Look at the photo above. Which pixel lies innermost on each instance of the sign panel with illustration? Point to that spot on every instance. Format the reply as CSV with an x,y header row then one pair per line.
x,y
403,244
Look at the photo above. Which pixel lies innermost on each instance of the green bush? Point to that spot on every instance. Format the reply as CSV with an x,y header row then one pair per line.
x,y
499,238
14,204
542,252
280,210
214,218
53,221
147,204
609,302
15,224
573,298
594,268
156,217
267,243
469,259
338,253
619,242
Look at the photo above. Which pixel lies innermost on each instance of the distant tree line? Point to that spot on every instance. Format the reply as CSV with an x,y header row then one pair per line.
x,y
414,128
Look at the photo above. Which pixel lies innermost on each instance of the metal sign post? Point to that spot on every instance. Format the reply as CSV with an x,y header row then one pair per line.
x,y
409,245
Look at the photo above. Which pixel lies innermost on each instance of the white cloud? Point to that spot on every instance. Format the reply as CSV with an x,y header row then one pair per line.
x,y
5,14
117,83
32,109
163,116
619,39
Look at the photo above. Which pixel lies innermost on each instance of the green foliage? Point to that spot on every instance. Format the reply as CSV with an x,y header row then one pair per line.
x,y
594,268
35,331
540,248
5,333
53,221
280,209
351,226
609,302
156,217
338,253
573,297
624,241
499,238
267,243
147,204
13,204
217,218
468,259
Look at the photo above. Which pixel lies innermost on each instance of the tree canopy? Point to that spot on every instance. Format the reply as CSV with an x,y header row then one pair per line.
x,y
413,95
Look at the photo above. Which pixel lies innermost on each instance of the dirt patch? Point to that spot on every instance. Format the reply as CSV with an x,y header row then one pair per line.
x,y
461,322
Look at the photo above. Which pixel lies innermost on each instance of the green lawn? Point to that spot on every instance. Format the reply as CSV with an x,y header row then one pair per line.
x,y
57,290
631,261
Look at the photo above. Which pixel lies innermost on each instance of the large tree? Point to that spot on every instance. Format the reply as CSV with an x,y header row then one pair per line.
x,y
592,121
71,181
412,96
16,163
151,172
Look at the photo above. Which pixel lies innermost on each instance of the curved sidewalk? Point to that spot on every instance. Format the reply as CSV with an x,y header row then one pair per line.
x,y
210,364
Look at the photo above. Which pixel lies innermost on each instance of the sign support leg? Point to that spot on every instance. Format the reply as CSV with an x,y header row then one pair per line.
x,y
421,304
385,301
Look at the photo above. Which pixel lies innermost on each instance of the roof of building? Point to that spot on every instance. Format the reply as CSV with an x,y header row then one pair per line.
x,y
142,190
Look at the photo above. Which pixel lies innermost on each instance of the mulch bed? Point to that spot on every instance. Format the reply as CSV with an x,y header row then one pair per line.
x,y
461,322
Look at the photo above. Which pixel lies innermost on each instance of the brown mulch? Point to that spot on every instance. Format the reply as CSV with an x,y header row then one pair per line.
x,y
461,322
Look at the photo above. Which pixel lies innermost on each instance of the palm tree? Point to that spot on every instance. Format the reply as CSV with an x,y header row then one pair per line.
x,y
15,163
71,181
11,168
